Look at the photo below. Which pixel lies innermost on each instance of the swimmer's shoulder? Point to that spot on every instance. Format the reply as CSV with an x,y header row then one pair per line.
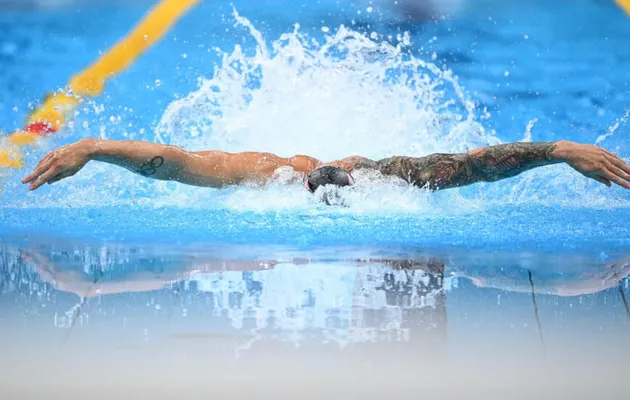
x,y
359,162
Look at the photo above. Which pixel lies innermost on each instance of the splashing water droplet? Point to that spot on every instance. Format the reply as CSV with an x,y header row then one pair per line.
x,y
528,130
613,128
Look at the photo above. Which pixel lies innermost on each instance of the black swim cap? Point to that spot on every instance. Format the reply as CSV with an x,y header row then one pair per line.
x,y
328,175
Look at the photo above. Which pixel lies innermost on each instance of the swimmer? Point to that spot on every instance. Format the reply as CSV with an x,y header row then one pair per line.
x,y
219,169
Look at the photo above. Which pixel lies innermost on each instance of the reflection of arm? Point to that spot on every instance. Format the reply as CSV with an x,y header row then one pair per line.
x,y
608,278
79,284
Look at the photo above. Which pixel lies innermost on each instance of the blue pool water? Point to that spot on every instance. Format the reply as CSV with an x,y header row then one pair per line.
x,y
152,261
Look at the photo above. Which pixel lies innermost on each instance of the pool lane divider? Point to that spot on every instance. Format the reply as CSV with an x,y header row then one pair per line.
x,y
624,4
50,117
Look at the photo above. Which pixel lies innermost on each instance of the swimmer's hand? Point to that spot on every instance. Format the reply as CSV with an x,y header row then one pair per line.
x,y
594,162
59,164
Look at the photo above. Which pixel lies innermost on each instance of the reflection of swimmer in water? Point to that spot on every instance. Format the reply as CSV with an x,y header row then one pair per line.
x,y
564,285
73,281
67,280
436,171
374,300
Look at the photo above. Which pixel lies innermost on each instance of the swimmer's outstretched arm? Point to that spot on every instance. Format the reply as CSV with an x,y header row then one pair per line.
x,y
157,161
144,158
489,164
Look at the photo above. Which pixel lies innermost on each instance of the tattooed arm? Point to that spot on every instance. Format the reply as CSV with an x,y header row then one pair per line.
x,y
157,161
143,158
443,171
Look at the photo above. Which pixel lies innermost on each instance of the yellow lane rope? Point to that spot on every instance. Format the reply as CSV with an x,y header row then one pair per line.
x,y
625,4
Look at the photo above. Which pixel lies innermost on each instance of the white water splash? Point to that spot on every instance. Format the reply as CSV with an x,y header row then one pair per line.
x,y
349,95
613,128
528,131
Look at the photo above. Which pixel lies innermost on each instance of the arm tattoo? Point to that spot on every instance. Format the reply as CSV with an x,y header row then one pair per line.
x,y
504,161
149,168
443,171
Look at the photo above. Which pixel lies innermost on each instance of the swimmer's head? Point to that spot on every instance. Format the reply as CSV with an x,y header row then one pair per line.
x,y
327,175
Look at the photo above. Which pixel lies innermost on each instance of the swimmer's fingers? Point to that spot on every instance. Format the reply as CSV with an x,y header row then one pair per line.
x,y
42,167
46,158
617,176
601,179
620,172
43,178
618,162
